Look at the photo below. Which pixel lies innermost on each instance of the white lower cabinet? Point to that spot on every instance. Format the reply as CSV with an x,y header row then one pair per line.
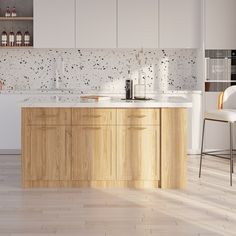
x,y
10,123
194,119
195,123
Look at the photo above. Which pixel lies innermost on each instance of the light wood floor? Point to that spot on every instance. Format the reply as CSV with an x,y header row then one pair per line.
x,y
206,208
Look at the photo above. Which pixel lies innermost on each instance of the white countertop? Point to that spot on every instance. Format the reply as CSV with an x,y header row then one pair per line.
x,y
77,93
163,101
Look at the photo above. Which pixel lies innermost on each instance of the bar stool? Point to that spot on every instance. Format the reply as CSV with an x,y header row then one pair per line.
x,y
227,114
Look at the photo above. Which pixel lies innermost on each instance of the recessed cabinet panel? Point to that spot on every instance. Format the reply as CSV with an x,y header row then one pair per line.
x,y
137,23
96,24
180,23
54,23
93,116
50,153
138,152
93,153
220,24
49,116
138,116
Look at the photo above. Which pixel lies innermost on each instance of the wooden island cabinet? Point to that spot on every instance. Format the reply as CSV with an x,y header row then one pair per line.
x,y
104,147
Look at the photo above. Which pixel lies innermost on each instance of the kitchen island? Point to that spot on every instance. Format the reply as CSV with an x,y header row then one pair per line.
x,y
70,143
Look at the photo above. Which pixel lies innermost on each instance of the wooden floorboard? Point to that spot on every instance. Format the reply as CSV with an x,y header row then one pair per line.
x,y
206,208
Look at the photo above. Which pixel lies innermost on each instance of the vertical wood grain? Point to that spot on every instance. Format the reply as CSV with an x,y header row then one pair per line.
x,y
173,147
93,153
50,153
138,152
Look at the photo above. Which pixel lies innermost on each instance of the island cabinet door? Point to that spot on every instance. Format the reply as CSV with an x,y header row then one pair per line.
x,y
93,153
50,153
138,152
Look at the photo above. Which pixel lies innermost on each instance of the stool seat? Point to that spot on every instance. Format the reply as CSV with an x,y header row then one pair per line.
x,y
228,115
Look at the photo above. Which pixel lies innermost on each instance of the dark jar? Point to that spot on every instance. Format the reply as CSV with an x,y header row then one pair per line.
x,y
129,89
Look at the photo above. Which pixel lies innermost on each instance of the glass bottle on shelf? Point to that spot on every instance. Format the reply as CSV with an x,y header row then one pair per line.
x,y
13,12
4,38
27,38
18,38
11,38
8,13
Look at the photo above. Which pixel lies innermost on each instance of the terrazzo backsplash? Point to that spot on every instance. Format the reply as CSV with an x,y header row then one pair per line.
x,y
97,70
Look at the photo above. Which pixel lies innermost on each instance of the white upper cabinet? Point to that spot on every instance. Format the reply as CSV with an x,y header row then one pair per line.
x,y
54,23
180,23
220,21
95,23
137,23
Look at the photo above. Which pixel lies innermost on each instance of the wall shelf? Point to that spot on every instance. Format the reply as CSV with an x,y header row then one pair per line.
x,y
24,21
15,47
16,18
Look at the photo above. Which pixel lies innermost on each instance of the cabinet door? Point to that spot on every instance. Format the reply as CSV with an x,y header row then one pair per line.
x,y
10,123
96,24
93,152
54,23
137,23
220,24
180,23
50,153
138,153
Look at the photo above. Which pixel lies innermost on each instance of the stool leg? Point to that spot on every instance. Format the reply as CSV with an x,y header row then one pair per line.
x,y
232,147
231,152
203,131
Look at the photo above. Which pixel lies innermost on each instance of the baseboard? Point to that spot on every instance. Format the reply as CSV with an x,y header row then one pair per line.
x,y
10,151
18,151
194,152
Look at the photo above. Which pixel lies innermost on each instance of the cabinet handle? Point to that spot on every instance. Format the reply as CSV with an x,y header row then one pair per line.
x,y
45,128
136,116
42,128
137,128
46,116
92,116
92,128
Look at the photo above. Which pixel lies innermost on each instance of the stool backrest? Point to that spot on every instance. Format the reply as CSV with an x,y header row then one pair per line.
x,y
229,98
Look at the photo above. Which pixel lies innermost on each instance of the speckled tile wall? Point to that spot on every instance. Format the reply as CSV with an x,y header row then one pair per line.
x,y
98,70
